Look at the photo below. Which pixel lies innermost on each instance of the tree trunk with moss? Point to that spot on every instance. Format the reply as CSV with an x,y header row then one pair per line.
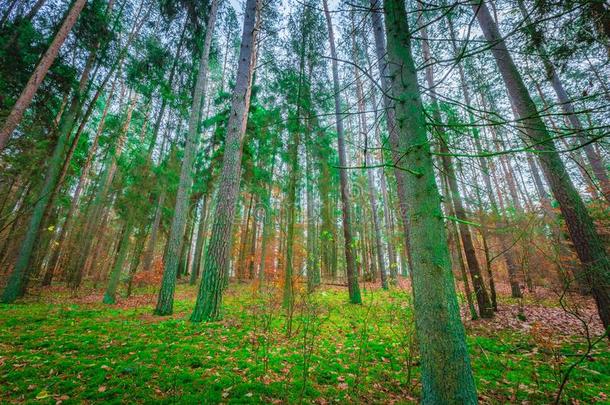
x,y
446,374
117,268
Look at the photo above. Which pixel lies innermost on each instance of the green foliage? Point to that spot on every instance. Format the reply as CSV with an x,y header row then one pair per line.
x,y
146,70
77,352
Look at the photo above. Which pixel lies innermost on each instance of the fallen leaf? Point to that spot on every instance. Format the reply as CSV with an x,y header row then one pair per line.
x,y
42,394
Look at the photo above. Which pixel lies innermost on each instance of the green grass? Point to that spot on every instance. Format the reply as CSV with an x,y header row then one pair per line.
x,y
96,353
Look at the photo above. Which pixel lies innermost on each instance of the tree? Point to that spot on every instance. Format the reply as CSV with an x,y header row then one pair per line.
x,y
165,302
350,261
439,329
587,243
209,297
28,93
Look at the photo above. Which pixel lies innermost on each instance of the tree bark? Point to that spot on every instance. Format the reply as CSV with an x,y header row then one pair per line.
x,y
165,302
209,298
439,329
350,261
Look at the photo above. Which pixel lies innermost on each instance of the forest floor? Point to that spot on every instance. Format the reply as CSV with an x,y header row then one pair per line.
x,y
60,349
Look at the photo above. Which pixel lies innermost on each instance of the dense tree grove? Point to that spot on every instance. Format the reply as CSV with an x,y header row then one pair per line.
x,y
458,150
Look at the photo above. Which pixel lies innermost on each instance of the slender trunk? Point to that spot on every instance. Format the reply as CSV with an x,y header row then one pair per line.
x,y
251,258
137,255
240,265
328,236
115,275
152,241
185,246
165,302
267,222
200,241
350,261
293,149
209,298
454,236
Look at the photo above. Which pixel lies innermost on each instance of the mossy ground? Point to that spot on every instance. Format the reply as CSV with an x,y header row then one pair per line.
x,y
73,351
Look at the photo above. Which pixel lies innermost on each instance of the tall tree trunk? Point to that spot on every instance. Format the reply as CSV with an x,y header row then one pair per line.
x,y
152,241
240,266
439,328
209,298
350,261
200,240
454,236
388,104
251,256
267,221
115,275
291,213
28,93
136,259
328,233
313,260
581,228
165,302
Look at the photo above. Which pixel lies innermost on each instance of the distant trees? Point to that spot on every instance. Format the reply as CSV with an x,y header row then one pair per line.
x,y
588,244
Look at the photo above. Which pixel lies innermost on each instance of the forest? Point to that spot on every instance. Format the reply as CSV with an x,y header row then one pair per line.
x,y
305,201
